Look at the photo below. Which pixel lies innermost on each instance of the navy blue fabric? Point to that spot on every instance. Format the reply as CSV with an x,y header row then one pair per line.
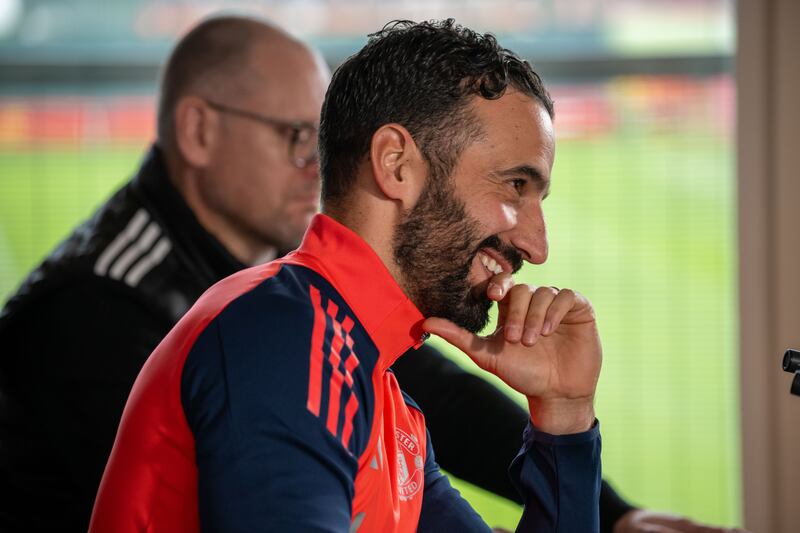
x,y
265,462
558,477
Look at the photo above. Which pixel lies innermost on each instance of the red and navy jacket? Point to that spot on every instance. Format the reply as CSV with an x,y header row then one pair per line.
x,y
271,407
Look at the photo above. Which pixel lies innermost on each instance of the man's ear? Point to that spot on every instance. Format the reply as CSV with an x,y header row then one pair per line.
x,y
195,130
399,169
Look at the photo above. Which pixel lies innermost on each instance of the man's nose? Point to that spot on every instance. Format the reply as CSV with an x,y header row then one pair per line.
x,y
530,235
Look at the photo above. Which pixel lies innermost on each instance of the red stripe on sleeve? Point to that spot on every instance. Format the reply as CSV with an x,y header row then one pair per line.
x,y
349,366
347,324
315,367
337,377
349,412
332,309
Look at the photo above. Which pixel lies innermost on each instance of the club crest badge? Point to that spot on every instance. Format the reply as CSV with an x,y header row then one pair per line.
x,y
409,465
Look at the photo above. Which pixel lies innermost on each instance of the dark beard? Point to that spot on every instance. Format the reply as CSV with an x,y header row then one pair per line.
x,y
434,246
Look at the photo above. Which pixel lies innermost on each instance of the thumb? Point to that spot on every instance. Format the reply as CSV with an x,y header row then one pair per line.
x,y
469,343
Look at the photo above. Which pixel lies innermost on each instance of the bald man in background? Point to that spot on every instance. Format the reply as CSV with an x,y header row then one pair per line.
x,y
231,181
222,188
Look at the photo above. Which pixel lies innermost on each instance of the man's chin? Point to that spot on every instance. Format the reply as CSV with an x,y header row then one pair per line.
x,y
478,292
473,316
293,235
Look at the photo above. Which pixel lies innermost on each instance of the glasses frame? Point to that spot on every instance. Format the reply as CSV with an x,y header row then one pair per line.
x,y
296,127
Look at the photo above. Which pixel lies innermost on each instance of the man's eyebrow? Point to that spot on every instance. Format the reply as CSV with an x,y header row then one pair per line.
x,y
532,173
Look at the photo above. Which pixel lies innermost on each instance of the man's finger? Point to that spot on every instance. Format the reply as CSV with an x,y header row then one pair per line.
x,y
515,309
535,315
469,343
562,304
499,286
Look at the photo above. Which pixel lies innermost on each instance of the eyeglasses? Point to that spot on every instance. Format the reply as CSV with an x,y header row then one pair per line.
x,y
302,135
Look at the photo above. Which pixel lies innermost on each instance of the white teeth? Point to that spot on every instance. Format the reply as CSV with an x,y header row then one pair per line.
x,y
490,264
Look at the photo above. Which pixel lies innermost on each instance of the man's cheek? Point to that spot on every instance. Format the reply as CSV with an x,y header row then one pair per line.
x,y
508,215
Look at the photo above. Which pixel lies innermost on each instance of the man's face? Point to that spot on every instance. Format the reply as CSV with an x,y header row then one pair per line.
x,y
485,217
251,182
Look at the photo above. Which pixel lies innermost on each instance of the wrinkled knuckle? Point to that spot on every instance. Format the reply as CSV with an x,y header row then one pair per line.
x,y
520,289
546,290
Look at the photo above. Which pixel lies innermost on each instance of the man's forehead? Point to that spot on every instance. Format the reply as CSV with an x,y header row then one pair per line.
x,y
518,110
519,126
291,82
274,59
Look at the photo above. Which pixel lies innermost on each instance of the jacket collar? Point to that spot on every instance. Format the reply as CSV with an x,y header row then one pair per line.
x,y
392,321
205,253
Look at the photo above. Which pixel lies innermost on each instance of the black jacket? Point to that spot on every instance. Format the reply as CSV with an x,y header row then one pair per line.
x,y
78,330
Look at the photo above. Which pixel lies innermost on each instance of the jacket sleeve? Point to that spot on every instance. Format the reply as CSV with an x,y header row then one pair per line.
x,y
558,477
467,416
77,354
265,461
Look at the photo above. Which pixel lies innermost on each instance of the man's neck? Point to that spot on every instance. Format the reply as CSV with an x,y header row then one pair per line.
x,y
249,250
375,224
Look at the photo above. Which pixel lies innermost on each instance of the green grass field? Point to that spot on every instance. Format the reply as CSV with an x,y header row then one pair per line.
x,y
641,224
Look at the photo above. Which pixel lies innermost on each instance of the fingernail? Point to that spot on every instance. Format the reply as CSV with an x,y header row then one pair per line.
x,y
530,336
513,333
546,328
495,290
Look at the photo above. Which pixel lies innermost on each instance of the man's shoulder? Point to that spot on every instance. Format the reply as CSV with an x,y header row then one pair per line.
x,y
253,310
82,248
134,247
274,298
278,340
70,264
123,248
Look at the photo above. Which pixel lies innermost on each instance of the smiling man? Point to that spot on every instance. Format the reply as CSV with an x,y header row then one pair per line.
x,y
271,405
457,236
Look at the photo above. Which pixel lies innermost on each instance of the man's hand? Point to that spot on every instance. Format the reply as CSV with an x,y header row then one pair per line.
x,y
644,521
546,346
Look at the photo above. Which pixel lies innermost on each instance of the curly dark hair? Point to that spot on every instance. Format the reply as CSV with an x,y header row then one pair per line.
x,y
422,76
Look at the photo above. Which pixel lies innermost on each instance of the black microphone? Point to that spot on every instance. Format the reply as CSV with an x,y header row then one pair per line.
x,y
791,363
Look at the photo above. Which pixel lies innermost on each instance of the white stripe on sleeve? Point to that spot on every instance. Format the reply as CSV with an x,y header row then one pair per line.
x,y
135,250
148,262
130,232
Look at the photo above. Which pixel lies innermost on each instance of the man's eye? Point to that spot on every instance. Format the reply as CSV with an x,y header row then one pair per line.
x,y
518,184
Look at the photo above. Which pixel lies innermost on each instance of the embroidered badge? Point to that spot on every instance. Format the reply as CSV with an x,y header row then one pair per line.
x,y
409,465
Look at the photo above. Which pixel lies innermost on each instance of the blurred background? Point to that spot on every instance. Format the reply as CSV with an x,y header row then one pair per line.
x,y
642,215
